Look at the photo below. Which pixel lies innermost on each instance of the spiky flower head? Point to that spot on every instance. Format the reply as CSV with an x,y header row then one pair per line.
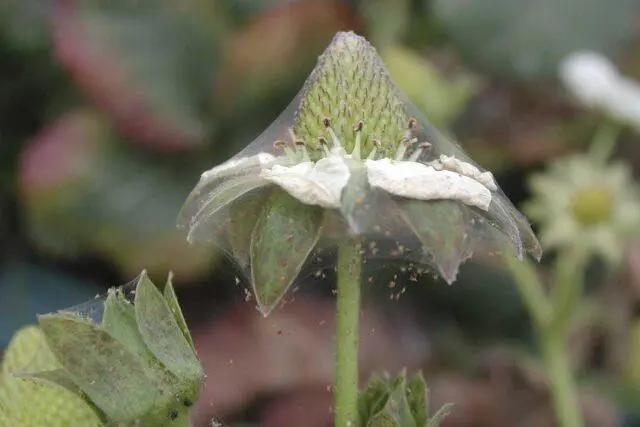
x,y
351,156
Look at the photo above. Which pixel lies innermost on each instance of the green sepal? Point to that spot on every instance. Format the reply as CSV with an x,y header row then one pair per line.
x,y
163,335
119,320
284,236
442,229
103,368
242,218
418,399
396,402
55,377
172,301
440,415
372,399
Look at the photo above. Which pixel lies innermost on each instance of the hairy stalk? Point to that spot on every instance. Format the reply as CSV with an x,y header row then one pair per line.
x,y
552,319
347,335
604,142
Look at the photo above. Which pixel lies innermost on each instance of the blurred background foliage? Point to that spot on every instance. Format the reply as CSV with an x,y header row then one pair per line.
x,y
110,110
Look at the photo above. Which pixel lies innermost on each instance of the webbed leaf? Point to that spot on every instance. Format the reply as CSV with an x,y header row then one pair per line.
x,y
284,236
109,374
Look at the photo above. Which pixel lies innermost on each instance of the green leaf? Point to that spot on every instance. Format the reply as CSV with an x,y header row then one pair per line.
x,y
111,201
439,417
441,227
110,375
417,397
372,399
386,20
162,334
156,58
284,236
398,404
383,419
56,377
527,39
439,97
172,301
119,319
243,215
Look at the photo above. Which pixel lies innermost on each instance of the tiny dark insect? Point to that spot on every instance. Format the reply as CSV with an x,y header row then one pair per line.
x,y
173,414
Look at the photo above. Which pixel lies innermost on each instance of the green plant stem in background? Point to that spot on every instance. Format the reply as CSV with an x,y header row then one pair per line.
x,y
604,142
551,317
563,389
347,334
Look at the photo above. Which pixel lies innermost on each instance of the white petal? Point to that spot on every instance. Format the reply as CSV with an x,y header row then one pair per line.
x,y
419,181
467,169
239,165
209,180
590,77
313,184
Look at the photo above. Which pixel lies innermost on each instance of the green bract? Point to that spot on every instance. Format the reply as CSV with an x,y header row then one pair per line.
x,y
28,403
138,366
351,157
398,402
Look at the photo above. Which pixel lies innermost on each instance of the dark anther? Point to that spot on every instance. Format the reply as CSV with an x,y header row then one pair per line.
x,y
413,123
322,140
187,403
425,145
327,122
279,144
173,414
359,126
299,143
377,143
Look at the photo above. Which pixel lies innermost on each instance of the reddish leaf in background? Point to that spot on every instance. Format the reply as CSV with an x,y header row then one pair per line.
x,y
83,193
142,64
277,46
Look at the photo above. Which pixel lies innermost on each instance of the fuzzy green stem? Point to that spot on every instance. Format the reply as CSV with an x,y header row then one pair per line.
x,y
563,388
604,142
347,335
551,318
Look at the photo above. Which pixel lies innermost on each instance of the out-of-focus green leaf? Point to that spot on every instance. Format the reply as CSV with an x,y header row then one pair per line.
x,y
386,20
150,64
24,23
440,99
527,39
275,52
82,192
284,236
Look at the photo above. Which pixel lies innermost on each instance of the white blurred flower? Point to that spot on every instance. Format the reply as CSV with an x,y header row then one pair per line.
x,y
594,81
580,201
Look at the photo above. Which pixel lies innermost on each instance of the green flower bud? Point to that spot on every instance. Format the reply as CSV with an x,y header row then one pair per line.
x,y
138,366
396,402
24,402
